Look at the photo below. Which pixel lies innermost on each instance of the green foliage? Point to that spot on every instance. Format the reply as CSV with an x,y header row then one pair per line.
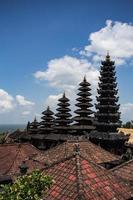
x,y
128,124
2,137
27,187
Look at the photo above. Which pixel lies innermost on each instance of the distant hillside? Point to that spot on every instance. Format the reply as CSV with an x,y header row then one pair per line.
x,y
127,131
11,127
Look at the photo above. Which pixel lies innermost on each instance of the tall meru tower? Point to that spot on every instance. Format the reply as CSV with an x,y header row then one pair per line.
x,y
107,114
83,119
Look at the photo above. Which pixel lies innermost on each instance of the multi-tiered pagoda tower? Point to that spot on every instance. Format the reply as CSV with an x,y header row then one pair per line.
x,y
46,128
33,126
108,115
63,116
84,120
32,133
47,123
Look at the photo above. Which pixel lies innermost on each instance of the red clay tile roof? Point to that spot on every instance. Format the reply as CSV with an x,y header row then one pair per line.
x,y
88,150
12,156
78,178
125,171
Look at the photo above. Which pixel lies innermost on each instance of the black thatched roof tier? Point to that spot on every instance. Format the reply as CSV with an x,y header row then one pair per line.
x,y
111,107
107,73
108,115
85,119
107,63
83,127
84,89
63,121
84,99
108,124
48,118
84,112
106,79
53,136
108,91
45,124
61,104
85,104
111,99
112,68
86,93
105,136
65,109
63,115
107,85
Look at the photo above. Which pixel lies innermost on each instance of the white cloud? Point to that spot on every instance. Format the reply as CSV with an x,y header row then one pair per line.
x,y
66,72
27,112
127,111
52,101
23,102
117,37
6,101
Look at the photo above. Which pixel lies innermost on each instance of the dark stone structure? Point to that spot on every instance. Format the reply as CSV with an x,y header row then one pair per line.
x,y
108,115
83,119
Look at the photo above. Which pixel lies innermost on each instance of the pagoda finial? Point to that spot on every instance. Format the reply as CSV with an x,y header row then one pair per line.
x,y
64,95
107,56
48,108
35,119
84,78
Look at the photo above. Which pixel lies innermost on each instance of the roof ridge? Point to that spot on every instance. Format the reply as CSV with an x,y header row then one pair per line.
x,y
15,144
78,172
64,145
8,144
97,146
18,151
93,163
58,161
55,147
71,155
121,165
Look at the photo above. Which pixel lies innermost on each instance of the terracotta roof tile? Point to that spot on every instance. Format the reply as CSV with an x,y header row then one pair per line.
x,y
12,155
88,150
125,171
79,178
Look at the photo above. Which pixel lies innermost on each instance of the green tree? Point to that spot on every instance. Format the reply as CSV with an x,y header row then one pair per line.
x,y
2,138
128,124
27,187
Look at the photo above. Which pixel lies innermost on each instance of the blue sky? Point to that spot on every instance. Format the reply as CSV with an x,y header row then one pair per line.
x,y
44,41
